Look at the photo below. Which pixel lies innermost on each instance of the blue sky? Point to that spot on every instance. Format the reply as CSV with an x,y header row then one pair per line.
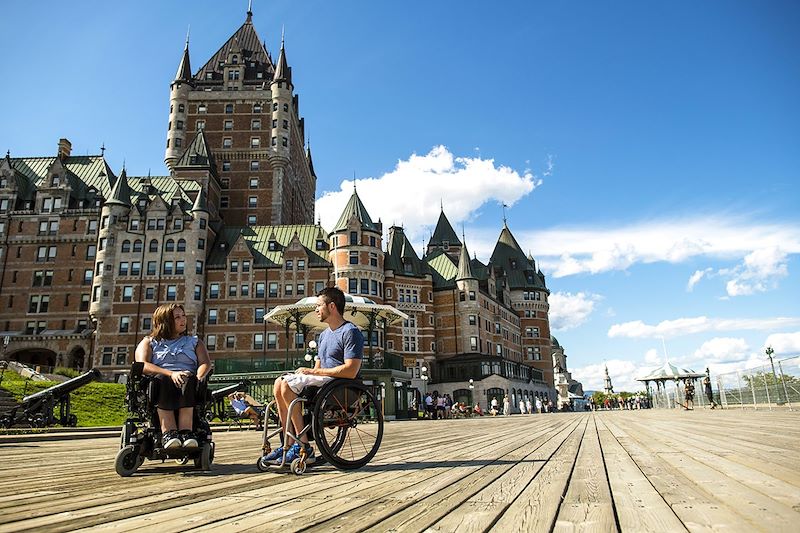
x,y
650,152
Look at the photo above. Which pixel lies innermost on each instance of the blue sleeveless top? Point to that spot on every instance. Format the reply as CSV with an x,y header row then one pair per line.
x,y
175,355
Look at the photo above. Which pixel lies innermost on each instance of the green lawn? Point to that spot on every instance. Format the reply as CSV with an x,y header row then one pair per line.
x,y
95,404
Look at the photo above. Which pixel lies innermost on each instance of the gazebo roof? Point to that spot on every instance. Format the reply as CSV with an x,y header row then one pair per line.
x,y
670,372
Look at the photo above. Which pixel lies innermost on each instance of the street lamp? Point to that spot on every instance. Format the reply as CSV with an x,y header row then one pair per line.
x,y
471,387
424,376
311,352
769,352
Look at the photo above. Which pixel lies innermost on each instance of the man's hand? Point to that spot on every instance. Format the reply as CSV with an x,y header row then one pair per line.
x,y
306,370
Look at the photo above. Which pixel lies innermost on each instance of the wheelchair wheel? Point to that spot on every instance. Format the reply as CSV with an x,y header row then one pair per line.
x,y
206,457
128,461
348,424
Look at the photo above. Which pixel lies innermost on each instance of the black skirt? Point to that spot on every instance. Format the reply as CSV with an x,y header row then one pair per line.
x,y
171,397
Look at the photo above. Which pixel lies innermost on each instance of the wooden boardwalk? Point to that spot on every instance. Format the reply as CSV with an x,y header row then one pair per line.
x,y
611,471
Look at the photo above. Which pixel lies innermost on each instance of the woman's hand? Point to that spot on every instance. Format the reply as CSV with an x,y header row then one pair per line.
x,y
179,378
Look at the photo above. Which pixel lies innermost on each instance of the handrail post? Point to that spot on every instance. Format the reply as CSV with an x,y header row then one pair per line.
x,y
766,388
785,391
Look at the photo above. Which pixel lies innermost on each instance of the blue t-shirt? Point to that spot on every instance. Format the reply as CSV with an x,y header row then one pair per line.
x,y
344,342
175,355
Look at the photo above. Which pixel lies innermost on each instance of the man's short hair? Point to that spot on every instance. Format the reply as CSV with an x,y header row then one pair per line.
x,y
335,295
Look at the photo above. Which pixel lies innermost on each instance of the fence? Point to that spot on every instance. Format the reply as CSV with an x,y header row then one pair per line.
x,y
764,387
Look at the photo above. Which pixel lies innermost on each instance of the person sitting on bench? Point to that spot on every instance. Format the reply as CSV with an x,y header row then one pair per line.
x,y
242,406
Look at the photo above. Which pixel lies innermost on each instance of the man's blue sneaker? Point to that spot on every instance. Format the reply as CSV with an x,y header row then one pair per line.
x,y
274,457
294,453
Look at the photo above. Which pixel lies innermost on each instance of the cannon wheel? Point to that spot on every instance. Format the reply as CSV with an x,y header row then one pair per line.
x,y
128,461
206,457
6,422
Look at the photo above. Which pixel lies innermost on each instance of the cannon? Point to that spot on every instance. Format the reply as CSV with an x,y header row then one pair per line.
x,y
216,407
38,409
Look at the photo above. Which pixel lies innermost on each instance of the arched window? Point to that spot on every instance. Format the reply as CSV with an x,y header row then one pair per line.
x,y
181,245
154,245
126,245
169,246
137,245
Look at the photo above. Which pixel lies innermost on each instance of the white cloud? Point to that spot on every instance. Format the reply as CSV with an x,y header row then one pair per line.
x,y
569,310
652,357
759,272
695,278
762,248
411,193
721,350
784,344
689,326
622,372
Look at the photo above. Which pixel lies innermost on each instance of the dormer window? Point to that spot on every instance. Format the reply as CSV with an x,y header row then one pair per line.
x,y
353,238
272,246
3,183
209,75
235,60
445,245
513,264
320,244
142,203
56,181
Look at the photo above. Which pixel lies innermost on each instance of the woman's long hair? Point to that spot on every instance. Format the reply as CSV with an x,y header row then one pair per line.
x,y
164,322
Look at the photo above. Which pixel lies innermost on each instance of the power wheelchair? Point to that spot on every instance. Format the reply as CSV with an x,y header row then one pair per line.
x,y
342,417
141,433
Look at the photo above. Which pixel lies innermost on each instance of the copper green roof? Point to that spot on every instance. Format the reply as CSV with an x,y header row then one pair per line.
x,y
282,70
401,257
464,266
252,50
197,154
184,68
83,173
200,202
257,239
442,269
514,264
121,192
355,208
444,232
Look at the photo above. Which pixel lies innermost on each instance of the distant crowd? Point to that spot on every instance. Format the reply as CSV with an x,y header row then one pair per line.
x,y
442,406
618,402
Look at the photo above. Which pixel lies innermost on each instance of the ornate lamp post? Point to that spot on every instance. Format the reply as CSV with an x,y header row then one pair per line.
x,y
471,396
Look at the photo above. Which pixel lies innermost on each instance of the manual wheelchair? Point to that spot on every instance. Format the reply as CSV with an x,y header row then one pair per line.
x,y
141,432
342,417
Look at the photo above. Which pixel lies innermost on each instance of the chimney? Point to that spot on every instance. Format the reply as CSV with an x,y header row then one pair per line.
x,y
64,148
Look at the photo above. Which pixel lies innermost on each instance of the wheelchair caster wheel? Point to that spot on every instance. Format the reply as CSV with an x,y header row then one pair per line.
x,y
298,466
262,464
182,460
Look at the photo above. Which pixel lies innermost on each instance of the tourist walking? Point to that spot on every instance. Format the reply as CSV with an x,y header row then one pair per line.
x,y
506,406
522,408
709,392
528,405
689,392
538,405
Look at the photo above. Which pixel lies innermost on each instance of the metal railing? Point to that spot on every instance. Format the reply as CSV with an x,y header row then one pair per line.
x,y
763,387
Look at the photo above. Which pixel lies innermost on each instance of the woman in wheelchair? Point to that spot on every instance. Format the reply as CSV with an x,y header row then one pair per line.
x,y
177,361
341,348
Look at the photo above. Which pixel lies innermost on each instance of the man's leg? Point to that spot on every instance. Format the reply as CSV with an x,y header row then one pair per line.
x,y
287,395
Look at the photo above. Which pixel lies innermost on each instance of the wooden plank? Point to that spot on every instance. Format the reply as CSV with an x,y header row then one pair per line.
x,y
587,505
696,509
639,506
536,507
766,511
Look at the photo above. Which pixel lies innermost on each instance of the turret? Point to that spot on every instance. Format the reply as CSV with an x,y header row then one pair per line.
x,y
356,251
281,88
114,213
178,103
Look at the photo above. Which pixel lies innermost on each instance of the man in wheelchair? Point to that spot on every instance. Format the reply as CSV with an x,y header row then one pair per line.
x,y
340,351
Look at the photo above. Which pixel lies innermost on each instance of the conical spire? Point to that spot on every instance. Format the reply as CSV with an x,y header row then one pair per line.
x,y
443,232
355,208
121,192
310,161
200,202
282,70
464,266
184,69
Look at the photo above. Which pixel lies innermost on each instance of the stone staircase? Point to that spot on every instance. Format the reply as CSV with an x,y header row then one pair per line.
x,y
7,402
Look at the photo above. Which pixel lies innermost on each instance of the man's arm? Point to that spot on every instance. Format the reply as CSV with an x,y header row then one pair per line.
x,y
348,370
